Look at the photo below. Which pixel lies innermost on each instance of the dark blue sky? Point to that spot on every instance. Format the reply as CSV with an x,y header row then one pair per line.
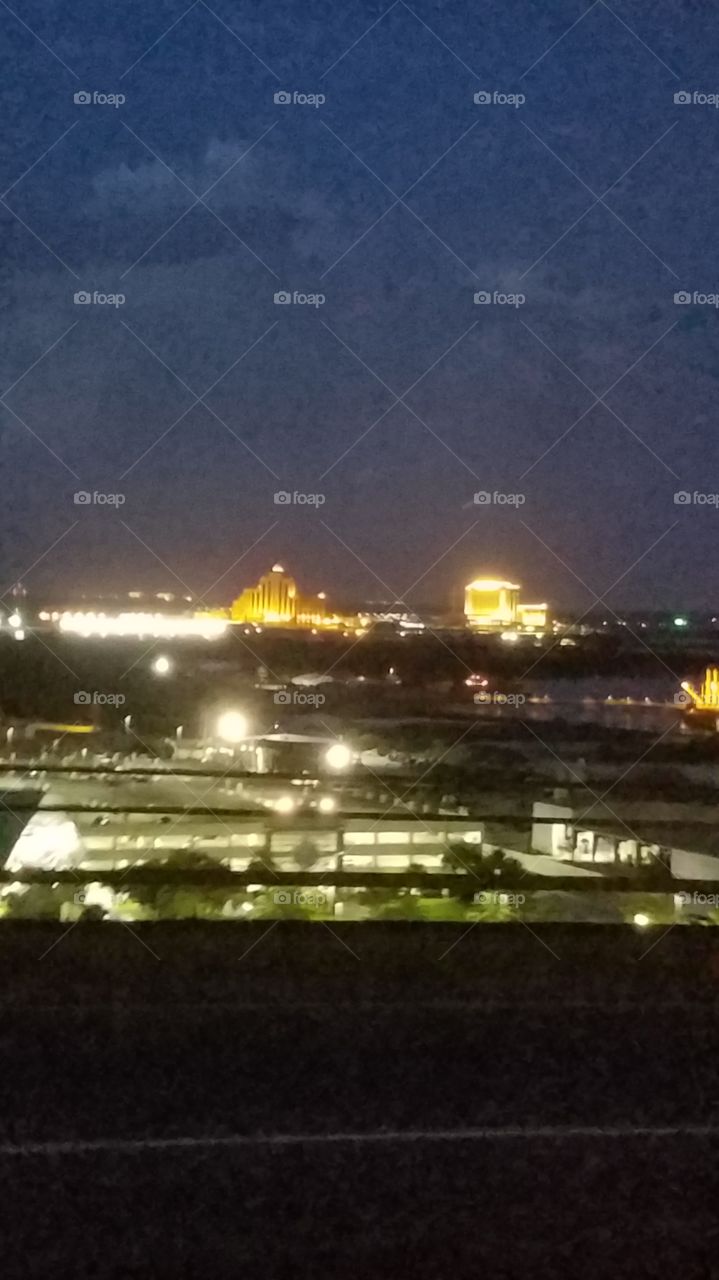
x,y
313,199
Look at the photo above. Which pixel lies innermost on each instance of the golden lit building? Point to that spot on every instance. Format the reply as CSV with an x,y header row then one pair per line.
x,y
532,617
491,604
274,599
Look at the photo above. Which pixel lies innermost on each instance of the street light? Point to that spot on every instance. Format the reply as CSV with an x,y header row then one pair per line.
x,y
338,756
162,666
285,804
232,726
327,804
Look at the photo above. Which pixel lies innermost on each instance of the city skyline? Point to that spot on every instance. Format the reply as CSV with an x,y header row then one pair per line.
x,y
383,305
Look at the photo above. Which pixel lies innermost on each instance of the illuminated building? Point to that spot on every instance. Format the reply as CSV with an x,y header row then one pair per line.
x,y
273,600
491,604
532,617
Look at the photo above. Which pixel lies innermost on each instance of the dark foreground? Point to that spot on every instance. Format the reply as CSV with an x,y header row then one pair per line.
x,y
261,1101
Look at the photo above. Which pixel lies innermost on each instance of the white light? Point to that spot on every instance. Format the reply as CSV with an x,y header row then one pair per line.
x,y
338,756
15,620
641,920
19,634
327,804
232,726
160,626
246,907
49,841
162,666
285,804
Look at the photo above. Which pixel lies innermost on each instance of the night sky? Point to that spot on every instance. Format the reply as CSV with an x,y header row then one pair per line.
x,y
397,199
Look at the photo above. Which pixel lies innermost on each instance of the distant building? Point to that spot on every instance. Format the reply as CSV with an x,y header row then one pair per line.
x,y
273,600
276,601
493,604
490,603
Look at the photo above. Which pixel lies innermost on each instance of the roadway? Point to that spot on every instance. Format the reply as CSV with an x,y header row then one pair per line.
x,y
368,1101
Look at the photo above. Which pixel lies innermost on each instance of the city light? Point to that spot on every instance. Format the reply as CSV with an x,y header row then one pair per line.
x,y
156,626
285,804
640,920
327,804
338,756
232,726
706,698
162,666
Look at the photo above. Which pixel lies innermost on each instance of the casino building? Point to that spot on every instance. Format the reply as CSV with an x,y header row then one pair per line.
x,y
491,604
275,601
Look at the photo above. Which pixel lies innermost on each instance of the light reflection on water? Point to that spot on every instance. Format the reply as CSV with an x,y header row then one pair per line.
x,y
585,701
